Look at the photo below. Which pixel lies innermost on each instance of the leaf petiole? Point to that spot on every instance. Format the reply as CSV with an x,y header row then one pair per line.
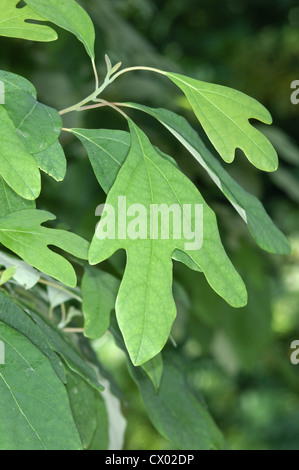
x,y
108,79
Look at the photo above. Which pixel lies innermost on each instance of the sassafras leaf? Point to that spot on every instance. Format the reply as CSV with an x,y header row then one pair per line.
x,y
224,114
13,23
69,15
145,307
22,233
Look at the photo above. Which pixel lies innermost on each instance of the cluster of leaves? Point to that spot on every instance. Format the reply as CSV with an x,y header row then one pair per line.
x,y
40,361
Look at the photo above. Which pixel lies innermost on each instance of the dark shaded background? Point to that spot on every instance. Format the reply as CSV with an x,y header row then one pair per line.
x,y
239,359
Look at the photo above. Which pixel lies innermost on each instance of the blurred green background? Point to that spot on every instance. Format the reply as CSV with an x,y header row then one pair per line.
x,y
238,359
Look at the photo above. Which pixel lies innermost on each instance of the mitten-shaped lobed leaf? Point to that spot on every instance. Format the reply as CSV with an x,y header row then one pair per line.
x,y
14,23
224,114
22,233
262,228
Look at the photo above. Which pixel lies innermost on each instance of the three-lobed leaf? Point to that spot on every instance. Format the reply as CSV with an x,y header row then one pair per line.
x,y
107,150
145,307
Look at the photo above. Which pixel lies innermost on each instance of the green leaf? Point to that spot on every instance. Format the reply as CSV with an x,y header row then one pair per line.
x,y
7,275
13,82
10,201
25,275
145,307
89,412
22,233
224,114
177,411
37,125
107,150
17,166
263,230
14,23
58,295
14,316
70,16
67,352
52,161
35,411
99,291
154,370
